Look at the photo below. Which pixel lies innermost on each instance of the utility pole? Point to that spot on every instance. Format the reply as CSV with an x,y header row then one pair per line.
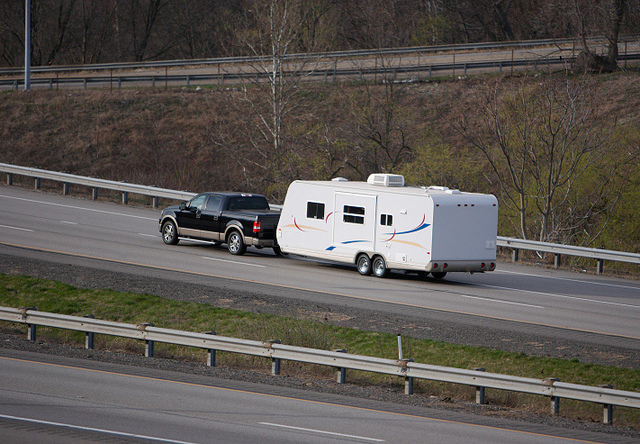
x,y
27,45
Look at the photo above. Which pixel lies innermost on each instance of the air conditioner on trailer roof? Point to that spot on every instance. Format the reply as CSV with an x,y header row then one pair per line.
x,y
386,180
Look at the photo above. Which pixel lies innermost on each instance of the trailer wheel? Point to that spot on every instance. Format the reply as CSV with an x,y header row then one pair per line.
x,y
364,264
380,267
438,274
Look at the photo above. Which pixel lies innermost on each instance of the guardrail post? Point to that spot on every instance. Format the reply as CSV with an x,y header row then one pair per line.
x,y
84,83
155,202
89,336
514,255
275,362
600,266
341,372
479,390
65,188
9,178
125,197
555,406
555,401
94,193
211,353
31,328
556,261
148,345
607,409
408,380
37,183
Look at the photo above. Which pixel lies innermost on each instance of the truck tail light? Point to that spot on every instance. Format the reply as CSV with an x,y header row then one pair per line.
x,y
256,226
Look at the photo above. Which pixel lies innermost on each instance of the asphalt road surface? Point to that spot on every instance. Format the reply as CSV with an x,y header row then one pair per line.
x,y
46,399
599,309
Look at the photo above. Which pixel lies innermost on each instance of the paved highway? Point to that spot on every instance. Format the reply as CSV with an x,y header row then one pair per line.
x,y
534,297
53,400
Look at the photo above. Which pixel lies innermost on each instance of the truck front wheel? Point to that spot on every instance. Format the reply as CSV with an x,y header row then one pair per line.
x,y
235,243
169,233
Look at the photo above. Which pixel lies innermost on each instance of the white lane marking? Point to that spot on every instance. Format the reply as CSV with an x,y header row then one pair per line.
x,y
499,301
16,228
69,222
148,235
323,432
91,429
79,208
560,296
233,262
579,281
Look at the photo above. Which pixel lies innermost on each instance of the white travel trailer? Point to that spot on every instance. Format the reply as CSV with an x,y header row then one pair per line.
x,y
383,225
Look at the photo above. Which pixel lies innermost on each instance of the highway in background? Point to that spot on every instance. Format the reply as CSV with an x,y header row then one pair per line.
x,y
601,309
398,64
55,400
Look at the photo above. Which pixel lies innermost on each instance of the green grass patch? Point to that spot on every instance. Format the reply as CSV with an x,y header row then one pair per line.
x,y
56,297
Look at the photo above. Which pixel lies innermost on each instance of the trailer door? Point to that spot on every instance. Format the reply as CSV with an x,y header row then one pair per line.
x,y
354,221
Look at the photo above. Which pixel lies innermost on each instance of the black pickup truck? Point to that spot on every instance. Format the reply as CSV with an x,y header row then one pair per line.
x,y
237,219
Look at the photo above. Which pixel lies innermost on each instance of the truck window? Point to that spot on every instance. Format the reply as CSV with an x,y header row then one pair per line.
x,y
353,215
386,219
197,202
248,203
315,210
213,204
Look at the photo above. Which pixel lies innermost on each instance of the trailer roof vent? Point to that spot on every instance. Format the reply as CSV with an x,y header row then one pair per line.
x,y
386,180
339,179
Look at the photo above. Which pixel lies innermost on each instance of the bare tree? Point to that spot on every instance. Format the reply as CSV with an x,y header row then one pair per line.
x,y
596,19
380,130
552,155
273,32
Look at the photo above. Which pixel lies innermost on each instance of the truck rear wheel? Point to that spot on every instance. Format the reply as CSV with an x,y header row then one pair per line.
x,y
235,243
364,264
380,267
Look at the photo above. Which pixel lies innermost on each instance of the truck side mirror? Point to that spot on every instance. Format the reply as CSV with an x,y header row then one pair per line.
x,y
183,205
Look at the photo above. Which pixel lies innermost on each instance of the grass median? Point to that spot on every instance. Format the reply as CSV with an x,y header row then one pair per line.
x,y
56,297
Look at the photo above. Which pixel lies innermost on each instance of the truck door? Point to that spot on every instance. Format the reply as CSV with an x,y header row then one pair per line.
x,y
354,221
210,218
189,218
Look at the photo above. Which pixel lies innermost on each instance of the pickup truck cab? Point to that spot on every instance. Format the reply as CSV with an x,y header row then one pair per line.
x,y
237,219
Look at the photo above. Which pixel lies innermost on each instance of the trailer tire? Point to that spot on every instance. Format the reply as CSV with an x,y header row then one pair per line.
x,y
363,262
438,274
380,267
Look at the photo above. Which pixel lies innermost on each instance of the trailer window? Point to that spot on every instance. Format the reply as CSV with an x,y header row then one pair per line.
x,y
353,215
315,210
386,219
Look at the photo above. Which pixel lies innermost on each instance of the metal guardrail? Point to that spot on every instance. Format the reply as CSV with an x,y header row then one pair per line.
x,y
155,192
569,250
94,183
430,69
274,350
310,56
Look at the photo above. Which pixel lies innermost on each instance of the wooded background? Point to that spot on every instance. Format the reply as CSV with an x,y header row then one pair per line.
x,y
559,149
96,31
